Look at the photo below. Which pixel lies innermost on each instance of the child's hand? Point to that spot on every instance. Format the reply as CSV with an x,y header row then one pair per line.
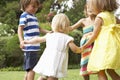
x,y
82,49
22,44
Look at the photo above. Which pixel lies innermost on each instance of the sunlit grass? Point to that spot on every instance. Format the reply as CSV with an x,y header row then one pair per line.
x,y
73,74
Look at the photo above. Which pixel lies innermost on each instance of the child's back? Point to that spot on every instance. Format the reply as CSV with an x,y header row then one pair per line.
x,y
57,46
107,44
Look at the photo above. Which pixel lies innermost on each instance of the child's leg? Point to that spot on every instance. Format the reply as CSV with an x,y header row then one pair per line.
x,y
42,78
30,75
102,75
113,74
86,77
52,78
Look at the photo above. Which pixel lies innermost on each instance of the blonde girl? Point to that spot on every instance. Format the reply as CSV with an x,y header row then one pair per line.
x,y
54,60
106,50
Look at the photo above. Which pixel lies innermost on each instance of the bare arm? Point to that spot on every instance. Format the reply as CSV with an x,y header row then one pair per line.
x,y
20,33
74,47
44,30
35,40
78,24
97,28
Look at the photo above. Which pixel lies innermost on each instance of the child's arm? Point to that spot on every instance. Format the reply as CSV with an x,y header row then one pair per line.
x,y
74,47
78,24
35,40
97,28
44,31
20,35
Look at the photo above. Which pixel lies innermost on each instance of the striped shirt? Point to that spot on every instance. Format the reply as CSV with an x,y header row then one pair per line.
x,y
31,29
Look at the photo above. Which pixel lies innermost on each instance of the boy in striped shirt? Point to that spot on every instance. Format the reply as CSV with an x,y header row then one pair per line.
x,y
27,29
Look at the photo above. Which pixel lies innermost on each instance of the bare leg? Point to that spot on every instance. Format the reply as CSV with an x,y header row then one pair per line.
x,y
31,75
113,74
102,75
52,78
41,78
86,77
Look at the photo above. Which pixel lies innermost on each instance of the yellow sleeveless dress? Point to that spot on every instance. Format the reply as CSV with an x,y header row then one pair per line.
x,y
106,49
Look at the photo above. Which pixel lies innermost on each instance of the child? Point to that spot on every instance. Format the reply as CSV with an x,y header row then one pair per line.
x,y
28,25
54,60
87,25
106,50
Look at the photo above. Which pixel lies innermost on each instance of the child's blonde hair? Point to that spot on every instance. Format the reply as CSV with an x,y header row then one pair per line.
x,y
60,23
104,5
25,3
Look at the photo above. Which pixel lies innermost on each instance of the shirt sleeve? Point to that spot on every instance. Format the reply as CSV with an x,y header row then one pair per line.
x,y
69,38
22,20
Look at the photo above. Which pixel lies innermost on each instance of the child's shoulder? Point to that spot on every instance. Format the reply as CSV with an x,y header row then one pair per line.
x,y
24,14
105,13
83,19
58,34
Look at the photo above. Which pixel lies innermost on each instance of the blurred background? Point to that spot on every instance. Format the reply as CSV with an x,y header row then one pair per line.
x,y
11,55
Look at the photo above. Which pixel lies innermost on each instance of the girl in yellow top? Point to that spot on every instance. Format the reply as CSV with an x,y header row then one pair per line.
x,y
106,50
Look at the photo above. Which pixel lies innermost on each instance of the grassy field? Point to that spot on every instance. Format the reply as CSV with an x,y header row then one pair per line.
x,y
73,74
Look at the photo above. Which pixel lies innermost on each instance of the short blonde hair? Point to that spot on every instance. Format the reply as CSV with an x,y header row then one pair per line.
x,y
104,5
60,23
25,3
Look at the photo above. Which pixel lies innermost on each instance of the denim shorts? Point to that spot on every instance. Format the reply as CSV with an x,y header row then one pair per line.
x,y
30,60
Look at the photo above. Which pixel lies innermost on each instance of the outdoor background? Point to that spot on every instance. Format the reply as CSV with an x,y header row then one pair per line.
x,y
11,56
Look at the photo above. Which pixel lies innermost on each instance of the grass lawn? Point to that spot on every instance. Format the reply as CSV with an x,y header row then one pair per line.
x,y
73,74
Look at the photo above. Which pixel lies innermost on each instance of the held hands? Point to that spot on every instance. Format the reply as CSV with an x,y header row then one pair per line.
x,y
79,50
82,48
22,43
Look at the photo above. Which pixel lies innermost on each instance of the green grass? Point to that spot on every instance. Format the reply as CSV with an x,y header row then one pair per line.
x,y
73,74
